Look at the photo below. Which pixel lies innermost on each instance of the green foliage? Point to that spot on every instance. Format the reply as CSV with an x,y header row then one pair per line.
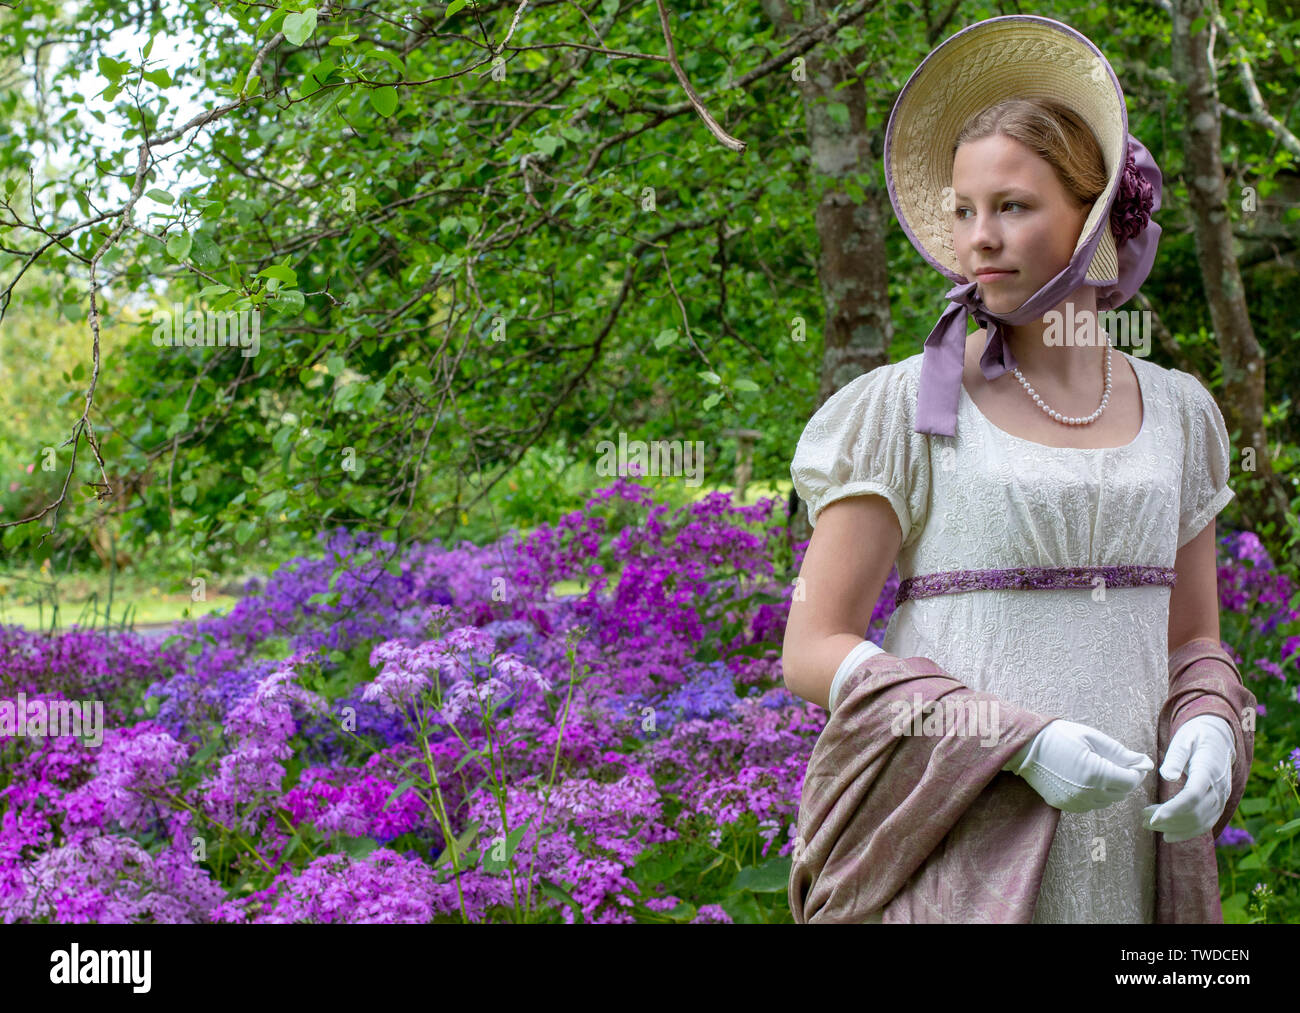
x,y
461,261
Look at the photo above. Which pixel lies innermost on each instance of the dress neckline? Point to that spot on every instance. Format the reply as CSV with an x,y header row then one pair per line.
x,y
1142,395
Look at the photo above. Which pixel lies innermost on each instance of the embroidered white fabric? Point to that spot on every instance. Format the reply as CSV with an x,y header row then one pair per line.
x,y
987,499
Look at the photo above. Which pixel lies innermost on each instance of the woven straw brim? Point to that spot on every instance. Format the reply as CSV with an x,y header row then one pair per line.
x,y
1015,57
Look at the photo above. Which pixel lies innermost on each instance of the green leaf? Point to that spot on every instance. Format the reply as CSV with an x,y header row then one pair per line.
x,y
280,272
392,59
462,845
272,501
773,876
179,244
556,892
711,400
546,143
453,7
343,40
490,865
159,77
291,301
244,531
280,441
161,196
316,77
384,100
359,847
665,338
708,376
206,252
744,384
206,751
346,395
189,493
112,69
298,28
398,791
249,475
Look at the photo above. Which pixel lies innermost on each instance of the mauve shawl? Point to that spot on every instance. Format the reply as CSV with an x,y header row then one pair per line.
x,y
931,829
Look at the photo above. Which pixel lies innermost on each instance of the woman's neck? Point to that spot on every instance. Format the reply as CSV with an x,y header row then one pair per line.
x,y
1065,347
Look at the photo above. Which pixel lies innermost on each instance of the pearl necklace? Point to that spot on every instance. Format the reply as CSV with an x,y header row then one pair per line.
x,y
1067,420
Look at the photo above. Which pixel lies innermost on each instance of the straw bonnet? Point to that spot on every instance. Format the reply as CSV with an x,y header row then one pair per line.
x,y
1017,56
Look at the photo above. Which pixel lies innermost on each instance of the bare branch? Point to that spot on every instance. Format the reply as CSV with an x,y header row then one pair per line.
x,y
709,121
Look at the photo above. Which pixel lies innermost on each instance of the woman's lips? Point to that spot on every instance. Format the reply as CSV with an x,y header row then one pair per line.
x,y
994,275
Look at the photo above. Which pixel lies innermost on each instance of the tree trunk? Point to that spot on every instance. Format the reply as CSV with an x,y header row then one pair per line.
x,y
1243,363
853,272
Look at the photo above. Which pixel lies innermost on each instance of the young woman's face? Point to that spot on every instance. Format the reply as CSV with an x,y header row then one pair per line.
x,y
1012,213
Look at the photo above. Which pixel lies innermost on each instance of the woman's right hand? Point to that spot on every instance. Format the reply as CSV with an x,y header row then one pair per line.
x,y
1077,769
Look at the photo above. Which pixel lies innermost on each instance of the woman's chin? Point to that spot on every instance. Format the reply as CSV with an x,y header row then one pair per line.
x,y
1000,302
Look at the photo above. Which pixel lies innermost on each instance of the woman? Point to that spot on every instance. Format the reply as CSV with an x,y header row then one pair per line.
x,y
1054,529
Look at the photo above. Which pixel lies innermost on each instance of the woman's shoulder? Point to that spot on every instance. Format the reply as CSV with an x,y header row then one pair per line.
x,y
1181,390
875,403
887,392
891,378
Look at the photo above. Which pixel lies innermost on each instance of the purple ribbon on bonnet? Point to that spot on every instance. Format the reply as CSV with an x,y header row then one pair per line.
x,y
1136,236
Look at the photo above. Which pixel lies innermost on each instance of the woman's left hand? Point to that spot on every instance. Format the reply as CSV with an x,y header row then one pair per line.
x,y
1203,746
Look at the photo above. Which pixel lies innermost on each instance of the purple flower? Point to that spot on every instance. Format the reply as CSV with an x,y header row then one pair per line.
x,y
384,888
1272,668
1233,836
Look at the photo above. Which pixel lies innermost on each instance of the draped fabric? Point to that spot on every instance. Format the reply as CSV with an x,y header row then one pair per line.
x,y
928,827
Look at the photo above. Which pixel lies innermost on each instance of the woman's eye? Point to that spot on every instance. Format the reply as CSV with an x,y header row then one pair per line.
x,y
1005,204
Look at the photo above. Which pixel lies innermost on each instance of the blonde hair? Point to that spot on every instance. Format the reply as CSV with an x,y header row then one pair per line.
x,y
1053,132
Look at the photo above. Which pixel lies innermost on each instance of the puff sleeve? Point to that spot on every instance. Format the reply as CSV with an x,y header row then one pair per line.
x,y
1204,489
861,441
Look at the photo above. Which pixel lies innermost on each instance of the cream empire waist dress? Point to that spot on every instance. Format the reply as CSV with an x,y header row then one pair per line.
x,y
986,499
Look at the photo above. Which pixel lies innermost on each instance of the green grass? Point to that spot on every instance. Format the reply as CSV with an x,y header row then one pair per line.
x,y
145,611
28,599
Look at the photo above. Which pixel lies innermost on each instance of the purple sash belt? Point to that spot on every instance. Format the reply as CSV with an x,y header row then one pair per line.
x,y
1031,578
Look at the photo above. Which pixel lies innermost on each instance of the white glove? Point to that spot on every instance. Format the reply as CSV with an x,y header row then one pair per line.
x,y
1204,746
1077,768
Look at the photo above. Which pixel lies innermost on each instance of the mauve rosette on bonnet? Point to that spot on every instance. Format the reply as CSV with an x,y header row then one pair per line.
x,y
1133,203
